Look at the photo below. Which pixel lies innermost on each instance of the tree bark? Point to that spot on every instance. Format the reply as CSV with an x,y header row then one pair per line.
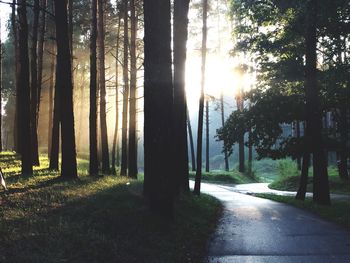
x,y
34,85
197,185
93,159
241,154
124,161
313,109
116,127
23,94
1,52
132,156
207,136
343,152
303,177
158,100
65,87
193,157
16,146
180,35
51,90
102,86
41,42
227,167
298,136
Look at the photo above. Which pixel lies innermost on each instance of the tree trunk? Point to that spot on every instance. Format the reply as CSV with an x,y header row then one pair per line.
x,y
23,94
93,163
159,181
16,146
132,156
343,152
102,85
197,186
313,110
227,167
51,88
303,177
41,52
180,33
34,85
241,154
298,136
124,163
207,136
0,91
193,157
64,85
115,137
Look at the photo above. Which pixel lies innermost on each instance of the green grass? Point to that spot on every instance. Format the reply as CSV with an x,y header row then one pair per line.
x,y
291,183
105,219
232,177
338,211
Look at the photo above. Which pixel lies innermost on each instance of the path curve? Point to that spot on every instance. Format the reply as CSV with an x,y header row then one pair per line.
x,y
258,230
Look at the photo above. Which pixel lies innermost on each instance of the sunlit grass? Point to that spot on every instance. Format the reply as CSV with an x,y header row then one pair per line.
x,y
232,177
96,219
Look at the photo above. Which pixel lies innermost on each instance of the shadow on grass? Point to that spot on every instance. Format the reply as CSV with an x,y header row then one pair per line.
x,y
101,224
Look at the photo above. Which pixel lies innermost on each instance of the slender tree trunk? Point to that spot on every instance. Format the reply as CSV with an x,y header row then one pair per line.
x,y
41,52
159,184
298,136
34,85
303,177
102,85
193,157
51,89
343,152
241,154
180,33
227,167
64,84
16,145
1,51
116,128
197,186
132,156
24,92
93,164
124,161
207,136
313,110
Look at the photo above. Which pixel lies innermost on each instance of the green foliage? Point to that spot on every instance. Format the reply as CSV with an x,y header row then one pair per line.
x,y
232,177
105,219
338,212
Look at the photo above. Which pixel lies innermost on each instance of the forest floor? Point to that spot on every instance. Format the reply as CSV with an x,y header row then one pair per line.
x,y
253,229
104,219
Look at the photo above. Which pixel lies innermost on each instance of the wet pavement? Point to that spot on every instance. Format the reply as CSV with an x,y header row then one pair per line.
x,y
260,230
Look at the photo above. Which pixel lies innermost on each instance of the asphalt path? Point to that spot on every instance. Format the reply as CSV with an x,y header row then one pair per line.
x,y
259,230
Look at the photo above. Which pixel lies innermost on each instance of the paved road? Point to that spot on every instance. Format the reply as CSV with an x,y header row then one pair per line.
x,y
259,230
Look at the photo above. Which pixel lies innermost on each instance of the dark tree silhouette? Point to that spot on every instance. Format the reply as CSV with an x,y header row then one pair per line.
x,y
16,146
180,33
124,161
24,91
34,84
1,53
193,157
158,103
102,85
64,85
93,164
197,185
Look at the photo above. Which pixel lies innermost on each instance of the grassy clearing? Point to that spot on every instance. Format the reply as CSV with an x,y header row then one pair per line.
x,y
232,177
289,181
104,219
338,212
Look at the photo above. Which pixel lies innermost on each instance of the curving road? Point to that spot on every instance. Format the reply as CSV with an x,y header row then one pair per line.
x,y
259,230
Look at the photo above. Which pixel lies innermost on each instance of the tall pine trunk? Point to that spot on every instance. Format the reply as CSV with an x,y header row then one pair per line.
x,y
180,33
303,177
207,135
241,155
222,106
115,146
65,87
158,105
313,109
102,86
93,163
16,146
34,85
124,161
23,94
1,52
51,91
132,156
197,185
193,157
